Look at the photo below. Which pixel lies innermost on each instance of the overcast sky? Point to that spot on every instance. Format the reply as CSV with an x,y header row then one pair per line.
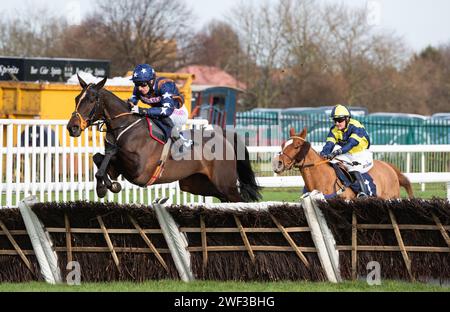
x,y
420,22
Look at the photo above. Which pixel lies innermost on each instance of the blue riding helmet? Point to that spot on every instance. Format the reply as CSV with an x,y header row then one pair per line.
x,y
143,73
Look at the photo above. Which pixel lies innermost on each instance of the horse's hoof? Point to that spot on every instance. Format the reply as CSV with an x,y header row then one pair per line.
x,y
116,187
101,191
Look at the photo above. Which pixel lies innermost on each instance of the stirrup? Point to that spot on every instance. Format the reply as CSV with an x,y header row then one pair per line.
x,y
362,195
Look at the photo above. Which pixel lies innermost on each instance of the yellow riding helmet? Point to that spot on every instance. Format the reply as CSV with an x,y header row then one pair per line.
x,y
340,111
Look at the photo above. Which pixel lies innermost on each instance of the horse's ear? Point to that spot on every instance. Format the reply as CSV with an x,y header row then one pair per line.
x,y
101,84
304,133
292,132
83,84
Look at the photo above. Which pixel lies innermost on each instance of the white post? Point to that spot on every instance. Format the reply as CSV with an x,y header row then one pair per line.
x,y
64,165
41,242
27,161
80,169
94,146
149,196
448,191
72,169
86,166
17,186
134,188
9,165
120,196
322,237
34,162
1,165
176,242
178,190
57,164
48,166
41,163
423,170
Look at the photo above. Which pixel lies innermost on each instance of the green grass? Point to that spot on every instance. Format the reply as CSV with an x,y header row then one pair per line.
x,y
281,194
211,286
293,194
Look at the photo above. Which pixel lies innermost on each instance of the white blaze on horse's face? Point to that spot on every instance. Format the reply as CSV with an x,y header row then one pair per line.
x,y
278,165
290,142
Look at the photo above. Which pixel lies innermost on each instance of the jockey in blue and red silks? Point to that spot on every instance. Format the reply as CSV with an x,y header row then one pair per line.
x,y
163,96
349,141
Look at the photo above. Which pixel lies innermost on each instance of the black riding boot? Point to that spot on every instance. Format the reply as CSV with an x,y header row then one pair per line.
x,y
184,145
364,193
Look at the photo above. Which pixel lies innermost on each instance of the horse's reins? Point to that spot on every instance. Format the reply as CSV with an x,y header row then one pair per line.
x,y
295,161
341,187
85,123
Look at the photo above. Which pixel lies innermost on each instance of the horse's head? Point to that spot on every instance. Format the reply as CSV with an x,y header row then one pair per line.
x,y
292,152
87,107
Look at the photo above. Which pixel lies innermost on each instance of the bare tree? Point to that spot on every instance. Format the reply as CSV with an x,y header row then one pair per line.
x,y
260,31
31,33
308,81
143,31
355,49
216,45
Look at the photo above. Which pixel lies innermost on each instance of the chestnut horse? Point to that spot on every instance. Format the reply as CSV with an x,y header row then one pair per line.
x,y
131,152
319,175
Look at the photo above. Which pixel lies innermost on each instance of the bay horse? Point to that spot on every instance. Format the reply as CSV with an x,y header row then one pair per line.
x,y
136,156
319,175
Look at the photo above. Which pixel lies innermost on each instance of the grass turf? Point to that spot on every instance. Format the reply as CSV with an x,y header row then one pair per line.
x,y
212,286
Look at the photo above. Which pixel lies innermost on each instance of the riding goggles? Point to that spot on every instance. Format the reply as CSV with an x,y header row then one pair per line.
x,y
339,120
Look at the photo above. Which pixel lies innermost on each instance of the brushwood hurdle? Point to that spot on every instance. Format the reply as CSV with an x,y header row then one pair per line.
x,y
313,240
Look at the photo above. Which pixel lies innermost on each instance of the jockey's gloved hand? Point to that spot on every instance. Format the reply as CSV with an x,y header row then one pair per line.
x,y
135,109
334,154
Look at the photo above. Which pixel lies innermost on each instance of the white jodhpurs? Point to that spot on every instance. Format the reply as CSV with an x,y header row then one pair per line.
x,y
365,160
180,117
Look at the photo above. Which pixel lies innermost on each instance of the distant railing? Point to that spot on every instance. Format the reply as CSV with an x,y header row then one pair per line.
x,y
270,129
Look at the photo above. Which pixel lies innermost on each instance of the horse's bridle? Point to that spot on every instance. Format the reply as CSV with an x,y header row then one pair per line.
x,y
85,123
295,161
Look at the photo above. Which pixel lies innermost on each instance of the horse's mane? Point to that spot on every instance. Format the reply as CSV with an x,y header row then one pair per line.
x,y
114,97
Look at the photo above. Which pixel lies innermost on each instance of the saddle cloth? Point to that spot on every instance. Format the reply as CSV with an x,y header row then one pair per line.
x,y
158,131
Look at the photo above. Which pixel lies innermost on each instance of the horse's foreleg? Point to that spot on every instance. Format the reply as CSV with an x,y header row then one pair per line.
x,y
99,160
112,172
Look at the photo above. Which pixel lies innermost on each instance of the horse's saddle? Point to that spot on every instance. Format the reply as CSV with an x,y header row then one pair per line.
x,y
348,180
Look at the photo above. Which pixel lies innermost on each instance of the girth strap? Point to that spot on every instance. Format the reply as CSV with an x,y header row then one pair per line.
x,y
160,168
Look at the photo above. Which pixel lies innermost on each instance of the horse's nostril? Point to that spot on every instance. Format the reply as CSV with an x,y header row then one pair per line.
x,y
280,164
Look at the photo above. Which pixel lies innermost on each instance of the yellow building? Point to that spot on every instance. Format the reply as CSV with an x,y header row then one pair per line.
x,y
28,100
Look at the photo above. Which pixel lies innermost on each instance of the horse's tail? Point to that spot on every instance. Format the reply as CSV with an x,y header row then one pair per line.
x,y
249,189
403,180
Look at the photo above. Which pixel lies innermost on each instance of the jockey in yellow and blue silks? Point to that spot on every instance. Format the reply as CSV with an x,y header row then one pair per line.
x,y
349,142
163,96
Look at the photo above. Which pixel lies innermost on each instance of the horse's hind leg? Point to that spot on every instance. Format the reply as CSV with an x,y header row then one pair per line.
x,y
226,184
